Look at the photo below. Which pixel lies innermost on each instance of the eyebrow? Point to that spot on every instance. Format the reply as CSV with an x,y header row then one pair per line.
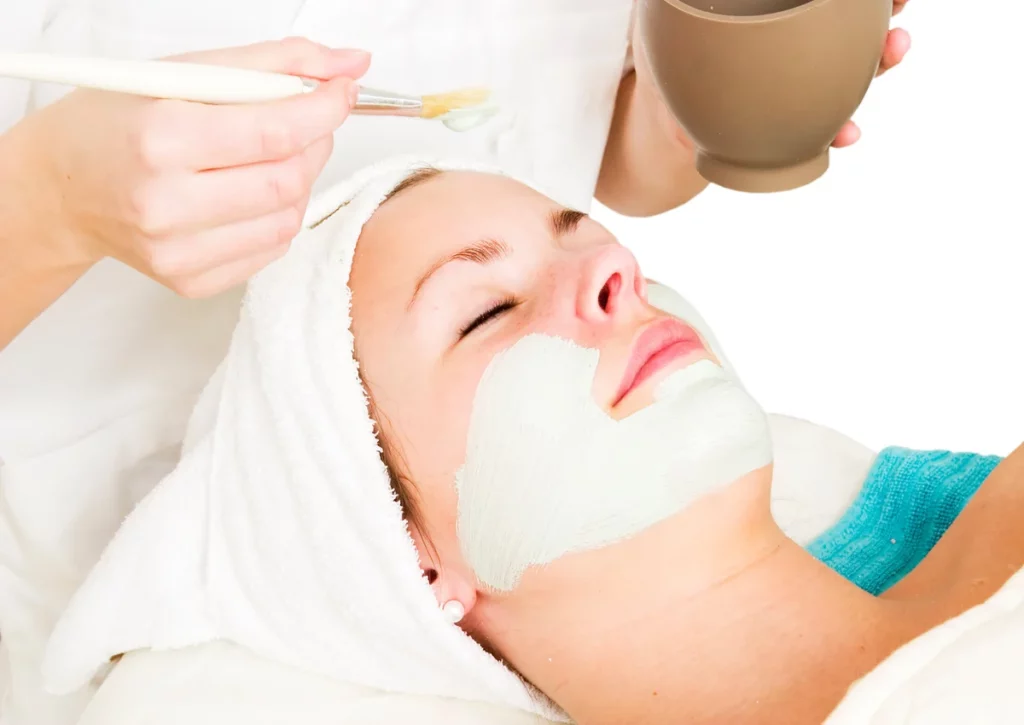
x,y
484,251
564,222
561,222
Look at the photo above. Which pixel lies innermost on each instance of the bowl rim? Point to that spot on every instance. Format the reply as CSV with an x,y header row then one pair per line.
x,y
684,6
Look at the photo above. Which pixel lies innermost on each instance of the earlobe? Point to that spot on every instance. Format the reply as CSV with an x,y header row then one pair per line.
x,y
453,583
455,593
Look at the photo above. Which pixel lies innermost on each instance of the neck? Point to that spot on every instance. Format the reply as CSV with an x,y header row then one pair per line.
x,y
711,616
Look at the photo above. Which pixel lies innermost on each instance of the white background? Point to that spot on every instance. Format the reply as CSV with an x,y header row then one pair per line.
x,y
885,300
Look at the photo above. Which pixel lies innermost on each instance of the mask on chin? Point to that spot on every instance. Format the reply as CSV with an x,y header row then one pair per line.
x,y
549,473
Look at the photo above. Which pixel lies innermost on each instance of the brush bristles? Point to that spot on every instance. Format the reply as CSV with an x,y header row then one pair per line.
x,y
441,103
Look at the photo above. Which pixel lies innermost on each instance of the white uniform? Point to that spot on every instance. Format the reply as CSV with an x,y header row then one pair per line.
x,y
95,394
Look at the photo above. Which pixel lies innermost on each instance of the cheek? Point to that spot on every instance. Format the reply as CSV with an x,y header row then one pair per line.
x,y
434,425
542,315
552,309
434,442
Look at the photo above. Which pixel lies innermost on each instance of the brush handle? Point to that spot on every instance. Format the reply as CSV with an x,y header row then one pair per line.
x,y
198,83
156,78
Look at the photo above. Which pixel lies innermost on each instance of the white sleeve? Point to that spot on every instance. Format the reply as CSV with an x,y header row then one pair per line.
x,y
21,28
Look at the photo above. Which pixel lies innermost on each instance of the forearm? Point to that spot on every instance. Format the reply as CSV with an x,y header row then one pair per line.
x,y
648,166
35,268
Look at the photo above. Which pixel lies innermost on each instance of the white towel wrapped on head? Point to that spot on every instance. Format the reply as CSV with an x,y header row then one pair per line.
x,y
279,530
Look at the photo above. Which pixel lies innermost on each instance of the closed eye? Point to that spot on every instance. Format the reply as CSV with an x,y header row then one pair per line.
x,y
492,313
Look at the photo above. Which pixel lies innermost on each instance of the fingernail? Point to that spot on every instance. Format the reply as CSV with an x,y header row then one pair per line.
x,y
353,54
353,93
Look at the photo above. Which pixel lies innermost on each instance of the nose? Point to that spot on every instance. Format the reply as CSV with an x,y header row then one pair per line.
x,y
610,284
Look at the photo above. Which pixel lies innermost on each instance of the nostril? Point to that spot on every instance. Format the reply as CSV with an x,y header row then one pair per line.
x,y
611,288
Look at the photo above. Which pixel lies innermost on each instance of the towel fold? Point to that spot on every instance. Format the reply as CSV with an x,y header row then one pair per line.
x,y
278,530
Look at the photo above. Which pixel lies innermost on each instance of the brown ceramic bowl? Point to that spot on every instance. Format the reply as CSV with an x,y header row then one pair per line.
x,y
763,86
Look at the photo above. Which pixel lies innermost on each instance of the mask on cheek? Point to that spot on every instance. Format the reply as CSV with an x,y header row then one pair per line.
x,y
549,473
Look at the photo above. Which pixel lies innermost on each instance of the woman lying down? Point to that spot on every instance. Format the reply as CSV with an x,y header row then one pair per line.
x,y
536,490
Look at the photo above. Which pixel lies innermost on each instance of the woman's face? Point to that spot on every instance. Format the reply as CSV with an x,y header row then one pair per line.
x,y
457,268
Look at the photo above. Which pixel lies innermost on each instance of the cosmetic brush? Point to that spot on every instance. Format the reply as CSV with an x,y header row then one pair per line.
x,y
213,84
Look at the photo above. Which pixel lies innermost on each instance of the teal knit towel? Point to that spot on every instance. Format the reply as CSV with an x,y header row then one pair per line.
x,y
907,502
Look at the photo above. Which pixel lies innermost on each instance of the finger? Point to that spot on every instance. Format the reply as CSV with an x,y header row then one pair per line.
x,y
227,136
897,6
294,56
225,196
848,135
224,277
214,248
897,43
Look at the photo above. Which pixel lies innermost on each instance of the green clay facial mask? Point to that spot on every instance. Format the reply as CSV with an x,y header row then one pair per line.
x,y
549,473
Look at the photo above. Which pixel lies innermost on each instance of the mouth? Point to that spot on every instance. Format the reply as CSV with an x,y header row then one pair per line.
x,y
658,347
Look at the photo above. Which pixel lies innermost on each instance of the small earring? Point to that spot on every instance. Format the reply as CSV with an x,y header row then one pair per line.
x,y
454,610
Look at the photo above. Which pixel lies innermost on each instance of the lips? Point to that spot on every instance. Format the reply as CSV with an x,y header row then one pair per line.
x,y
658,346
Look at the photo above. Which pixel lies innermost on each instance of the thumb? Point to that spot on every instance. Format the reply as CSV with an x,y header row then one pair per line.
x,y
294,56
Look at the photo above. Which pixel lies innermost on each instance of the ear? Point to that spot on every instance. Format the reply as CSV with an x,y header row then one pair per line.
x,y
447,572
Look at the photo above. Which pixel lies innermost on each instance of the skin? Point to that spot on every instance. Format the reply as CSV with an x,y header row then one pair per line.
x,y
751,630
413,359
200,198
197,197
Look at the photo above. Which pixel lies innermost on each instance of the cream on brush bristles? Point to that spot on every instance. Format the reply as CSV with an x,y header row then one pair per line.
x,y
439,104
